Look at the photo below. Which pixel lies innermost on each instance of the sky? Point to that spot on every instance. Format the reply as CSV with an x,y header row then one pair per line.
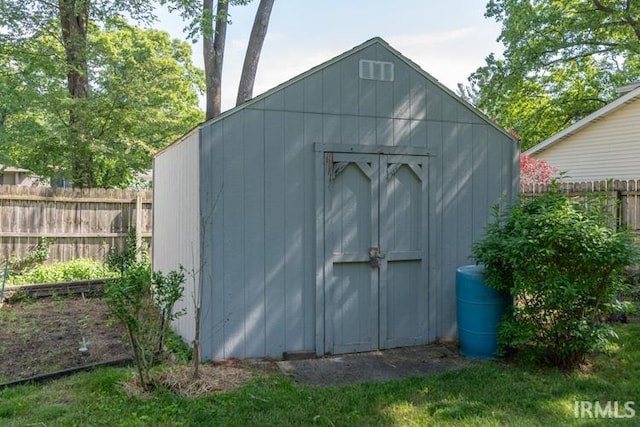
x,y
449,39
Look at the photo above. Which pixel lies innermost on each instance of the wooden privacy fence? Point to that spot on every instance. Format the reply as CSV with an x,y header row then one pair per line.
x,y
623,197
85,223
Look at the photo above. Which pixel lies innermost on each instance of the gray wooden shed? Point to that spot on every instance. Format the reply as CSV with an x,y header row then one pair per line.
x,y
330,213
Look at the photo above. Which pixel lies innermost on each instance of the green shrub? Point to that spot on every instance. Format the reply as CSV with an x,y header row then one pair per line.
x,y
143,302
68,271
179,350
129,297
118,261
562,261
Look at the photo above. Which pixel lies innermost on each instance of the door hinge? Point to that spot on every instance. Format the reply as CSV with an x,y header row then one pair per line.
x,y
334,168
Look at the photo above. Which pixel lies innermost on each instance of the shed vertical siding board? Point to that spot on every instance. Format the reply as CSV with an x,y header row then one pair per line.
x,y
402,90
367,97
496,166
418,97
450,188
418,129
503,182
254,232
331,90
425,240
449,109
349,86
294,230
313,132
465,115
234,298
435,221
259,104
384,131
367,131
349,130
384,99
465,192
476,118
332,125
176,231
212,225
401,132
508,182
313,93
294,97
481,202
434,97
321,307
274,242
275,101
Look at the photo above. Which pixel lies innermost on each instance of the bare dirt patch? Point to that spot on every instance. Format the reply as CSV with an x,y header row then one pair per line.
x,y
40,336
44,335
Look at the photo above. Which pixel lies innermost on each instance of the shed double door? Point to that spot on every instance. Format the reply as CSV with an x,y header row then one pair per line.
x,y
376,224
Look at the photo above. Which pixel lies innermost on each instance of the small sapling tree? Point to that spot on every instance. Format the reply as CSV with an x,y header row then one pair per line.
x,y
129,297
167,290
562,261
143,302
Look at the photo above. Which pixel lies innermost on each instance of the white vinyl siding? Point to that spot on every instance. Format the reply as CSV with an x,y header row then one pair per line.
x,y
608,148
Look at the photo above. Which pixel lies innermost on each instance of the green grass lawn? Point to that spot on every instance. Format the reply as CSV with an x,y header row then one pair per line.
x,y
486,394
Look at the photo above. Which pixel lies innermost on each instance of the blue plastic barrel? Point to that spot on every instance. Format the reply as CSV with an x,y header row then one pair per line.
x,y
480,309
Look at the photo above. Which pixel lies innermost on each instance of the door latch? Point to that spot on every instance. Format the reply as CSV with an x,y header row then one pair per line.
x,y
375,256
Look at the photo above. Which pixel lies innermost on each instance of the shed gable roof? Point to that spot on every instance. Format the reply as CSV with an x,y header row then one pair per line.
x,y
596,116
374,41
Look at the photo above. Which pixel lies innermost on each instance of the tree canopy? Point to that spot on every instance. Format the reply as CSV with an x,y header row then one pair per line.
x,y
562,61
86,97
143,94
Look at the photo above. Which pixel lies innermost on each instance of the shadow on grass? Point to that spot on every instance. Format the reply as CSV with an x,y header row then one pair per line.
x,y
485,394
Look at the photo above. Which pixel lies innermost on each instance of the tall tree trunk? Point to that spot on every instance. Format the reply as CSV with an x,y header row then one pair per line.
x,y
213,42
252,57
74,16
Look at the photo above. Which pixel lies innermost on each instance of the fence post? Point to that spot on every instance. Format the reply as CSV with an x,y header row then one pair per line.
x,y
138,225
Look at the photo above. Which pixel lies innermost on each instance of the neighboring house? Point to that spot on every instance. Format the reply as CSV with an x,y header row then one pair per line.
x,y
329,214
604,145
10,175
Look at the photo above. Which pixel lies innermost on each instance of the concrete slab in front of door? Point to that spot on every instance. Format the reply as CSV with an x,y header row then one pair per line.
x,y
376,365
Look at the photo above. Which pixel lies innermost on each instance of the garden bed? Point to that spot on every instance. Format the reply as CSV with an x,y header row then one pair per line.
x,y
42,336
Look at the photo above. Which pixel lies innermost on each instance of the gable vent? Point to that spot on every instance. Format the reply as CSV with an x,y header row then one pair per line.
x,y
376,70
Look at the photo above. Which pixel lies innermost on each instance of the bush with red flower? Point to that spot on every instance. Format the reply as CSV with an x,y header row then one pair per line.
x,y
536,171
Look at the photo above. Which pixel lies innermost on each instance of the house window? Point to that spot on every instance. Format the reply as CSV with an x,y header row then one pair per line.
x,y
376,70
